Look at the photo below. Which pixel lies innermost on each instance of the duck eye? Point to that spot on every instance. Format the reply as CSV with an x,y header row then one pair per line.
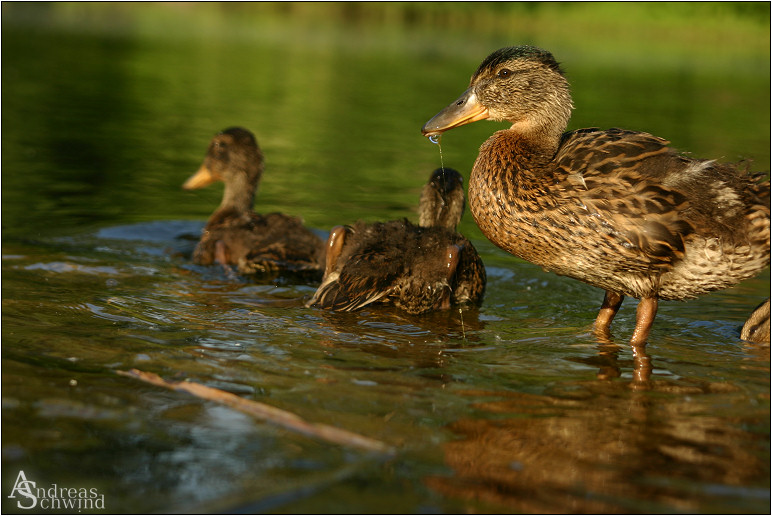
x,y
504,72
219,149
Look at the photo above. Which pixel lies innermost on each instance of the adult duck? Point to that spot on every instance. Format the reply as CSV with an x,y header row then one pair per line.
x,y
417,268
617,209
235,234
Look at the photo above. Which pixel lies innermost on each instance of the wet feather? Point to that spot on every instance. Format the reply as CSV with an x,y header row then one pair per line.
x,y
413,267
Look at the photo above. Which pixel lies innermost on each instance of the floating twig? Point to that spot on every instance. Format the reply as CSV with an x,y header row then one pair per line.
x,y
266,412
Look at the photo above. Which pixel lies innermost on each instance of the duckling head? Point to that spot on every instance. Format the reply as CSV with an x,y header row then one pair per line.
x,y
233,157
442,199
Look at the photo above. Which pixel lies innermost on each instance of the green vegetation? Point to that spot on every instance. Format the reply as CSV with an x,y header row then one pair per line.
x,y
627,24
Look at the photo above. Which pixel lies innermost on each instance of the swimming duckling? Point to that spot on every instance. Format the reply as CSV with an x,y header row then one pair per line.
x,y
235,234
415,268
617,209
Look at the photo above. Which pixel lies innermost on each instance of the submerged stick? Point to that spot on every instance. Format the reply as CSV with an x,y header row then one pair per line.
x,y
268,413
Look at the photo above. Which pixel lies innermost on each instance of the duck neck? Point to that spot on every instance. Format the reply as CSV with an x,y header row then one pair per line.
x,y
533,141
509,180
441,210
516,156
239,195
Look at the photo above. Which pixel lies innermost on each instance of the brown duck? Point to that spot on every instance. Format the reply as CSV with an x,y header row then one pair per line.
x,y
415,268
617,209
235,234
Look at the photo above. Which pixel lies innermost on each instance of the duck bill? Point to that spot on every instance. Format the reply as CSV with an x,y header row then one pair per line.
x,y
465,110
200,179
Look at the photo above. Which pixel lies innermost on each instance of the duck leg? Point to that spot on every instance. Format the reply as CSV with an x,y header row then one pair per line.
x,y
222,256
642,367
644,319
611,303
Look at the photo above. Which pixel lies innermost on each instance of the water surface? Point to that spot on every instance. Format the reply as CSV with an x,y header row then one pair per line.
x,y
509,407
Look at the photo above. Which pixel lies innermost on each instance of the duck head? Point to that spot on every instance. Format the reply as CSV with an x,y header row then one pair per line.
x,y
523,85
234,158
442,199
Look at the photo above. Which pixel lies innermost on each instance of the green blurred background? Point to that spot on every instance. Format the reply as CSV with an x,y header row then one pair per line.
x,y
108,106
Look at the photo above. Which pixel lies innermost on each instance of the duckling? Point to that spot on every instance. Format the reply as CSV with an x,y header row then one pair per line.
x,y
235,234
415,268
756,328
618,209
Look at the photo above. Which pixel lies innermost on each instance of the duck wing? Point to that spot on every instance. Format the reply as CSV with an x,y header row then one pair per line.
x,y
616,185
368,268
468,283
281,242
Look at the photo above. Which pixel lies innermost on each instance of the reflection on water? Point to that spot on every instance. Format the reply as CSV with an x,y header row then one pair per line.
x,y
488,410
596,448
512,406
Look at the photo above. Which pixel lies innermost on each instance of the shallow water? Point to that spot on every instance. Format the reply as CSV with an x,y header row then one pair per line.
x,y
509,407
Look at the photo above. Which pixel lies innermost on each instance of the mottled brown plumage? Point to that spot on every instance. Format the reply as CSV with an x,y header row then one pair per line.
x,y
415,268
235,234
757,328
617,209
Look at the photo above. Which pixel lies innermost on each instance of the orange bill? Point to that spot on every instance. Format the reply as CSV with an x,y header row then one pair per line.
x,y
200,179
465,110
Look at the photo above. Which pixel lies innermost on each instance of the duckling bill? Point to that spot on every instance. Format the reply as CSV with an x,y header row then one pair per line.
x,y
620,210
415,268
235,234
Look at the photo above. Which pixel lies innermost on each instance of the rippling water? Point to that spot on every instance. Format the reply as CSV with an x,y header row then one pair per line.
x,y
509,407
